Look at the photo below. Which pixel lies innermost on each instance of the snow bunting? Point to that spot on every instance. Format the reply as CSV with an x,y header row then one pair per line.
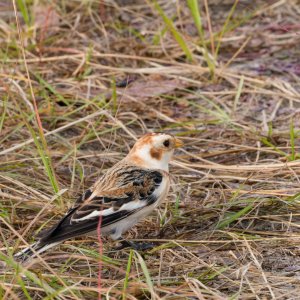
x,y
128,192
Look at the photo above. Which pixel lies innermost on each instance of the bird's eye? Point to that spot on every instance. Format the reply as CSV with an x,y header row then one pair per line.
x,y
166,143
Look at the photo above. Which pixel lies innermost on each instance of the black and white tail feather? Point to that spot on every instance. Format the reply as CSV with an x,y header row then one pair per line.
x,y
32,251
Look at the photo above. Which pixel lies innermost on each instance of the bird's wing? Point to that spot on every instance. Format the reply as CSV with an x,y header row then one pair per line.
x,y
119,194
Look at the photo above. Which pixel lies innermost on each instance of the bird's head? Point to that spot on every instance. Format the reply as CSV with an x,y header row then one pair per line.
x,y
154,150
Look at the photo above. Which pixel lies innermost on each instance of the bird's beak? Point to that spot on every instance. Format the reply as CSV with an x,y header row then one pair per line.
x,y
178,143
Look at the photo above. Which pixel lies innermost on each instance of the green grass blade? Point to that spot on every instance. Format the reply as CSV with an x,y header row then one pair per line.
x,y
292,140
224,28
233,217
43,152
175,33
50,88
5,100
176,208
238,93
28,274
125,285
194,9
146,272
24,11
267,143
114,97
156,39
95,254
46,161
23,287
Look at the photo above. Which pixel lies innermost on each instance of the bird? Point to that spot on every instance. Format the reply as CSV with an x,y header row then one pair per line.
x,y
128,192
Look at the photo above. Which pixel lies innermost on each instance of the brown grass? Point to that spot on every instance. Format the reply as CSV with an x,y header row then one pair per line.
x,y
230,227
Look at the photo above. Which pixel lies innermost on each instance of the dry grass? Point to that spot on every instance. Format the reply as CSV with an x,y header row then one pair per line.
x,y
230,228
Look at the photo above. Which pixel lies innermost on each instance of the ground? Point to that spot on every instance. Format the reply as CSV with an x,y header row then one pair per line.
x,y
81,80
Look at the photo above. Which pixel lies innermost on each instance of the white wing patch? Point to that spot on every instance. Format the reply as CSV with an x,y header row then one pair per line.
x,y
95,213
127,206
133,205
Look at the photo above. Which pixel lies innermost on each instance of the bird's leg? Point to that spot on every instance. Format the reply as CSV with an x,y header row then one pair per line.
x,y
138,246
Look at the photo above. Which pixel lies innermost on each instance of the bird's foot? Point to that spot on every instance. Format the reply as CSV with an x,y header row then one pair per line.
x,y
138,246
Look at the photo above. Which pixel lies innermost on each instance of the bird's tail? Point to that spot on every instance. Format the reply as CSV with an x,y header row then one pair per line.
x,y
30,252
